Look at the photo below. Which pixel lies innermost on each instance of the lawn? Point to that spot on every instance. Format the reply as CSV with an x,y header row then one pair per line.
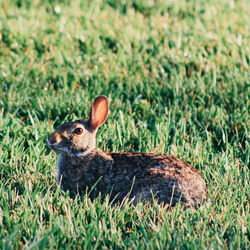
x,y
178,77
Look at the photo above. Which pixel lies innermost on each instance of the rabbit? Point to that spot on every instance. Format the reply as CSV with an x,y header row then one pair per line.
x,y
137,176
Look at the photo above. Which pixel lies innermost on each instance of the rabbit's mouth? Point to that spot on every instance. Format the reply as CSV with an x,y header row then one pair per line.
x,y
58,148
70,151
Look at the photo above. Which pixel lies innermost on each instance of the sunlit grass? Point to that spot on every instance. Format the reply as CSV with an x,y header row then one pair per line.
x,y
177,75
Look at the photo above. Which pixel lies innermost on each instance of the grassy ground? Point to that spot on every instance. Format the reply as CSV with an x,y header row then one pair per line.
x,y
177,74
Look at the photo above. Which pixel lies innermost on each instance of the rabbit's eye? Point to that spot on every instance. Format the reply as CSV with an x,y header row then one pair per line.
x,y
78,131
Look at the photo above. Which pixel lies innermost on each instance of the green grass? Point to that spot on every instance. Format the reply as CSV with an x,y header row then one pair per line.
x,y
177,74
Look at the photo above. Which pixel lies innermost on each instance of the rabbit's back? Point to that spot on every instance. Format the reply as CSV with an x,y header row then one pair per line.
x,y
168,178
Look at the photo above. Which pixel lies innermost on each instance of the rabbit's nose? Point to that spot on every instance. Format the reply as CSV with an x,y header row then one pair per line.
x,y
53,138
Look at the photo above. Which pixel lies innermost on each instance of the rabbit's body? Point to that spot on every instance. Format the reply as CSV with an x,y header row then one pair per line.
x,y
141,176
135,175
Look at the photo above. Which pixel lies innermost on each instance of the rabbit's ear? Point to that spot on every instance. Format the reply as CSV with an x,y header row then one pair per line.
x,y
99,112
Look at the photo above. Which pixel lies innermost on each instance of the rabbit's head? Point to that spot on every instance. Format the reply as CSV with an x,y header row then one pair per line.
x,y
78,138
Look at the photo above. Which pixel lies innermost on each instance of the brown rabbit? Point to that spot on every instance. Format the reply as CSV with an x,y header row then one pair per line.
x,y
140,176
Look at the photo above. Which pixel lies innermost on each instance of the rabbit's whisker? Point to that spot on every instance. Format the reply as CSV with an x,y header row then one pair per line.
x,y
60,149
